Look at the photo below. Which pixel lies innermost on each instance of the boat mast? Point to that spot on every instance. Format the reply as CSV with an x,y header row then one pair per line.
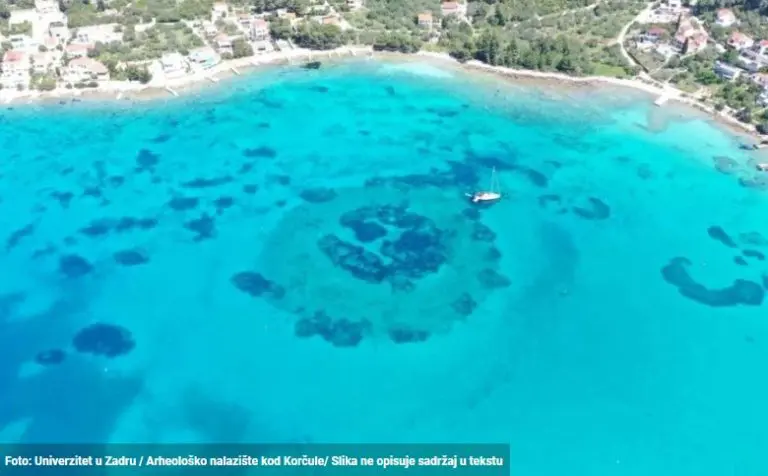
x,y
494,181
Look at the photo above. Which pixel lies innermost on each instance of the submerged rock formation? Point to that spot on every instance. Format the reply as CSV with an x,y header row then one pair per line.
x,y
107,340
741,292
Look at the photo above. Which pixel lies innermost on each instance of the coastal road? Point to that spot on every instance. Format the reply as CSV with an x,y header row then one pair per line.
x,y
625,29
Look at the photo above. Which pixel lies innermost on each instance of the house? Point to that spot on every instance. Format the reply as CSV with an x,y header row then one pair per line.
x,y
85,69
209,29
652,35
690,37
204,57
98,34
726,71
47,7
223,44
739,41
59,31
173,64
77,50
760,79
258,30
331,20
454,9
675,4
697,42
43,62
725,18
22,42
15,70
762,100
355,4
219,11
425,20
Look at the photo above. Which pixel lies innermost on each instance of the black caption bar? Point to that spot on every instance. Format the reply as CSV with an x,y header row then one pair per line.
x,y
264,460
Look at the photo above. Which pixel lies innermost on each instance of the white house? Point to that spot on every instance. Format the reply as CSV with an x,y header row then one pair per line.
x,y
48,12
90,35
675,4
223,44
204,57
43,62
173,64
725,18
22,42
259,30
15,70
355,4
220,10
85,69
59,31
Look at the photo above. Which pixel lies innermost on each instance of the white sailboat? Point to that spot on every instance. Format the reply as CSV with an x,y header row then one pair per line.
x,y
490,195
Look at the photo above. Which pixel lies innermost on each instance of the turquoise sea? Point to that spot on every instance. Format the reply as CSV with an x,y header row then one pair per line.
x,y
291,258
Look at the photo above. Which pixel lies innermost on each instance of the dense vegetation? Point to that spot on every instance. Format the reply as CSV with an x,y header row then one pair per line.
x,y
319,37
149,44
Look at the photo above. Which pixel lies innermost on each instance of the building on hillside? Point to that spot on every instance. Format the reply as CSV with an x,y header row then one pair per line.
x,y
76,50
258,30
739,41
219,11
331,20
354,4
59,31
651,35
173,65
223,44
204,57
23,42
456,9
424,20
43,62
726,71
690,36
674,4
85,69
209,29
725,17
91,35
15,70
47,7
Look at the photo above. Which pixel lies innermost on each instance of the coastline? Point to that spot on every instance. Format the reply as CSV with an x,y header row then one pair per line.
x,y
123,90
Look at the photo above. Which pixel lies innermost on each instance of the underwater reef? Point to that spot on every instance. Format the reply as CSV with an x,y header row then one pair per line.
x,y
105,340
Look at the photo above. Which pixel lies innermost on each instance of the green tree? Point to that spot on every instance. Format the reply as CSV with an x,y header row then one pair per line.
x,y
241,48
280,28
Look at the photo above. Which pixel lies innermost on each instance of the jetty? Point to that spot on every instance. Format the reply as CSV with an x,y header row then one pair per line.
x,y
168,88
234,70
661,100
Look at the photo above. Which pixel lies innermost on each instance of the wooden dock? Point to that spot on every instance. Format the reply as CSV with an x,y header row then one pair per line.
x,y
661,100
168,88
234,70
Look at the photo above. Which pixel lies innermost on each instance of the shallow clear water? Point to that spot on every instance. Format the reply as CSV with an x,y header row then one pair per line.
x,y
385,308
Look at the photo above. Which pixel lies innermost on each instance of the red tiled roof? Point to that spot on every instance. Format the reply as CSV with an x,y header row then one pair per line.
x,y
12,56
724,13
